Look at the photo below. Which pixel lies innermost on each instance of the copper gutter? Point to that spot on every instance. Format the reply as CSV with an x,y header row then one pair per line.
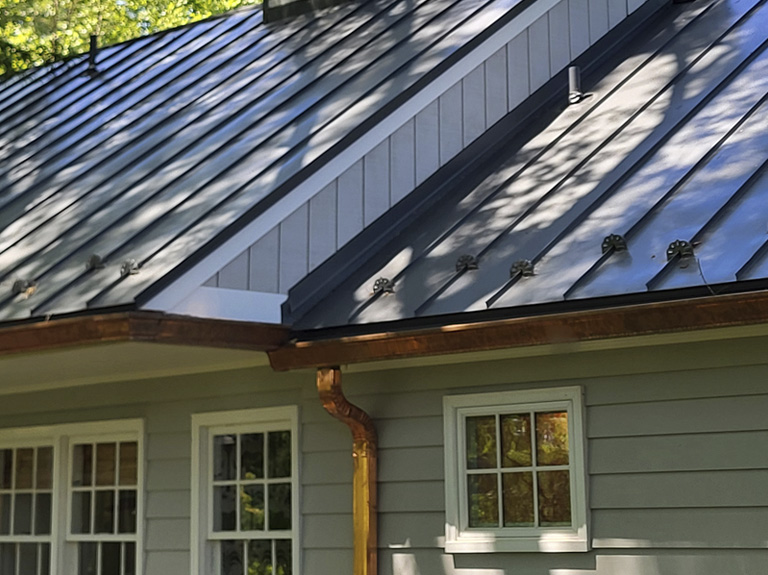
x,y
140,326
616,322
364,453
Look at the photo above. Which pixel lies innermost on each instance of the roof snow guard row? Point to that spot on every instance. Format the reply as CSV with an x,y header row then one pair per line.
x,y
668,157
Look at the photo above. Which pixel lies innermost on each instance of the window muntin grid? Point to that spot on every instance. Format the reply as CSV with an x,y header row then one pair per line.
x,y
251,494
26,509
517,475
104,504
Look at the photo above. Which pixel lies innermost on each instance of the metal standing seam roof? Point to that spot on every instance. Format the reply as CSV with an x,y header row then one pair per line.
x,y
183,136
657,181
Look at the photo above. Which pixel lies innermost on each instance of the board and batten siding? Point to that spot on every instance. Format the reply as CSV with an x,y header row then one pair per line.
x,y
419,147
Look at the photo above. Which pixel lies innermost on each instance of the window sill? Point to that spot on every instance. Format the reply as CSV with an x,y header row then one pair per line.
x,y
556,543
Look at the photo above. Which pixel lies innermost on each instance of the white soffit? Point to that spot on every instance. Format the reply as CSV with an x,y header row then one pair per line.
x,y
241,305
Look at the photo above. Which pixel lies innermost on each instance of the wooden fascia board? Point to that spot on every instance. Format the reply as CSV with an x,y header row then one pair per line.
x,y
617,322
140,326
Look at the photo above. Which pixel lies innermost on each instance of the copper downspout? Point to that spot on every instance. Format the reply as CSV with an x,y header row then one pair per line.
x,y
365,460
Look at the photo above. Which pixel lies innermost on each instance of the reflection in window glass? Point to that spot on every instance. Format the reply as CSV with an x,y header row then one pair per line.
x,y
25,510
251,492
224,457
534,474
518,499
279,458
256,557
106,463
552,438
483,495
481,442
516,440
104,495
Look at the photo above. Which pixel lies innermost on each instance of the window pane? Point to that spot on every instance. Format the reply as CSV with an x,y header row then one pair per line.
x,y
110,558
260,557
518,499
22,514
104,512
7,559
128,463
516,440
283,557
279,506
552,438
252,456
224,508
28,558
45,558
232,557
106,454
87,558
42,514
481,442
554,498
224,457
82,465
81,512
44,466
279,454
5,514
24,467
126,521
6,468
252,508
482,492
129,556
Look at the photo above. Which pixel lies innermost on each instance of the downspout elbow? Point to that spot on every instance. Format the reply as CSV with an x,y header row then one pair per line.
x,y
364,453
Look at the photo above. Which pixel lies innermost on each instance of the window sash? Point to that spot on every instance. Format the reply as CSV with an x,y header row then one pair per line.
x,y
498,412
205,426
461,538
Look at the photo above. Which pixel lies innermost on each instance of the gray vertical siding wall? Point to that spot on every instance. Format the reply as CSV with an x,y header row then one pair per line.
x,y
407,157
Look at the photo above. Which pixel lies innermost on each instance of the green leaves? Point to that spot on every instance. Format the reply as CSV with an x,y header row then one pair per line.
x,y
38,32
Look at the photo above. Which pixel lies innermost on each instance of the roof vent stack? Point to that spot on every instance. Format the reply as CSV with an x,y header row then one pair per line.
x,y
575,95
92,52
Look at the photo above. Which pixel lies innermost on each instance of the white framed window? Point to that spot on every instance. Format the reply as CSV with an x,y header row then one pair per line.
x,y
245,497
515,473
71,499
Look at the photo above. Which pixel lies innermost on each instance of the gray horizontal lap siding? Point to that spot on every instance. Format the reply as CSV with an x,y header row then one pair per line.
x,y
166,405
424,143
676,457
677,465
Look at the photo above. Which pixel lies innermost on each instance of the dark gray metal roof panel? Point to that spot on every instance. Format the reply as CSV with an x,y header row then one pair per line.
x,y
183,134
671,146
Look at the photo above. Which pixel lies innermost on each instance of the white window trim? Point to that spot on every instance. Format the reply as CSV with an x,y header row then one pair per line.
x,y
238,422
62,437
458,540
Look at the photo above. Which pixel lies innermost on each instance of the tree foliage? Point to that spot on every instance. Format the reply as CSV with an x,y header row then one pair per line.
x,y
37,32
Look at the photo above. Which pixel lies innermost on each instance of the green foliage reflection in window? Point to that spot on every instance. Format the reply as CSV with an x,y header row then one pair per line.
x,y
531,486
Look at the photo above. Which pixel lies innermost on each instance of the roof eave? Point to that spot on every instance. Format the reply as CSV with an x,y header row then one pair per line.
x,y
645,319
140,326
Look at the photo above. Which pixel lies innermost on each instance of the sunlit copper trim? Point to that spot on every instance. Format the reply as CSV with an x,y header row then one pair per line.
x,y
626,321
140,326
364,453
